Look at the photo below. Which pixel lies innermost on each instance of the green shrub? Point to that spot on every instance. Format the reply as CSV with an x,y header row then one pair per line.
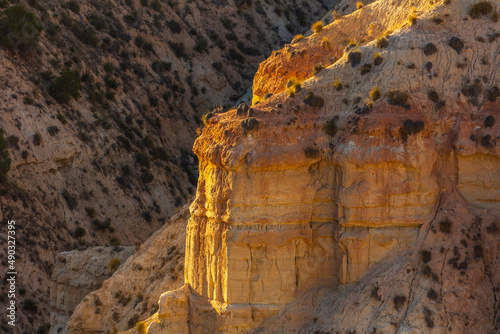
x,y
90,212
311,153
399,302
74,7
79,232
174,26
330,127
178,49
19,29
66,86
5,160
313,100
37,139
318,68
114,264
433,95
382,42
397,98
30,305
365,68
425,256
445,226
479,9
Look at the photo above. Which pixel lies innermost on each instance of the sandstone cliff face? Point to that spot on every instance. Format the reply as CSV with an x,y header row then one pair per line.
x,y
388,153
131,294
116,163
76,274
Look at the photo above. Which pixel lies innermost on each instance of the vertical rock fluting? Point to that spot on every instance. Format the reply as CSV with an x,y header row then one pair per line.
x,y
315,185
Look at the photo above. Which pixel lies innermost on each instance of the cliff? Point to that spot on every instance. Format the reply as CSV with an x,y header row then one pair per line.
x,y
364,176
100,111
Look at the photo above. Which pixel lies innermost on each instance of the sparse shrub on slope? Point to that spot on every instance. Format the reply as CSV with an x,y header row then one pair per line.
x,y
19,29
480,9
5,160
317,27
65,87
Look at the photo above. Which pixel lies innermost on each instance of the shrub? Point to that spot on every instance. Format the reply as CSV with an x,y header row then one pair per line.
x,y
399,302
486,142
325,43
429,322
374,294
297,38
318,68
293,86
66,86
141,327
425,256
317,26
114,264
30,305
429,49
37,139
314,101
489,121
382,42
445,226
174,26
365,68
330,127
90,212
85,34
101,226
79,232
359,5
480,9
201,45
19,29
13,141
412,18
377,59
53,130
74,7
375,93
456,44
337,85
311,153
5,160
354,58
478,251
397,98
70,200
493,93
431,294
433,95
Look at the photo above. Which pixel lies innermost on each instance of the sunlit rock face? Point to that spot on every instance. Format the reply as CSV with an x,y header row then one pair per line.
x,y
317,188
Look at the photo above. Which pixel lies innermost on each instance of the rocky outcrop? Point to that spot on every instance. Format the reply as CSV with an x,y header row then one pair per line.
x,y
76,274
112,164
132,293
373,163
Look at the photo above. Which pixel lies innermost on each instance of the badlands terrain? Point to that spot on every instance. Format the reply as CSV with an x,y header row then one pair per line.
x,y
356,191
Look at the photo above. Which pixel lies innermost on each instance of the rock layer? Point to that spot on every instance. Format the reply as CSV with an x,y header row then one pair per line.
x,y
351,197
